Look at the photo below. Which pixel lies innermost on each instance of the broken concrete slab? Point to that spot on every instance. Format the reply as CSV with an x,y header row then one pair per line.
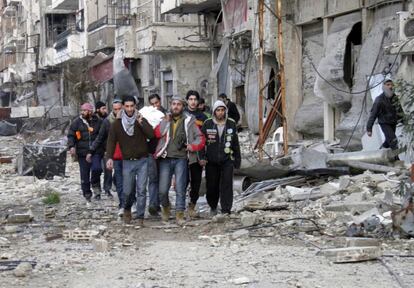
x,y
301,194
362,242
387,186
352,254
19,218
342,206
249,219
239,234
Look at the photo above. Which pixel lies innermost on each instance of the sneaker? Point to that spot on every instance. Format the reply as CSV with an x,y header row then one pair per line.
x,y
121,212
109,194
165,213
179,218
134,208
153,211
192,212
127,216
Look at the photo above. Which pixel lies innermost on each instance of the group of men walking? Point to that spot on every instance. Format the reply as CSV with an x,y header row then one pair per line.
x,y
154,157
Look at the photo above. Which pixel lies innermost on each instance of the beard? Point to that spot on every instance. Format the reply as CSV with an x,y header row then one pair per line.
x,y
388,92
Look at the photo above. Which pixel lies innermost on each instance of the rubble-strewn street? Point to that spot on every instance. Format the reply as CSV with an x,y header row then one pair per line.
x,y
262,248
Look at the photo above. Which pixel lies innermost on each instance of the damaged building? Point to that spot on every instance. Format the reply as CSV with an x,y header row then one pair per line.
x,y
58,53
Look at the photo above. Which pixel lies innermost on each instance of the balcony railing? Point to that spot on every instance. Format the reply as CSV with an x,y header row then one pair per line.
x,y
121,21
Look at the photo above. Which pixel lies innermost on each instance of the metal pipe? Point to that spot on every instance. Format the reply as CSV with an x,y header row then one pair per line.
x,y
382,156
241,183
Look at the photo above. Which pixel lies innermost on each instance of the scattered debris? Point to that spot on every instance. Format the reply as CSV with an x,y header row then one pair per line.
x,y
100,245
11,265
403,220
23,269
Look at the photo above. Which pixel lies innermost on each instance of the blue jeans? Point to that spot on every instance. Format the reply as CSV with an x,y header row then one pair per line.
x,y
153,185
107,182
168,168
134,174
118,181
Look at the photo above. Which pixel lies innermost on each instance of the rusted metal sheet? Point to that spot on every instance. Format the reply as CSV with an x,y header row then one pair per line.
x,y
235,15
102,72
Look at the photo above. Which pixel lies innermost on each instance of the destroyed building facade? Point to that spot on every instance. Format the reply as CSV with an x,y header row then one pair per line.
x,y
60,52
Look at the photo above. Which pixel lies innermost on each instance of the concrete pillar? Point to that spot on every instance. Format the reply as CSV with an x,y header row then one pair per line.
x,y
328,110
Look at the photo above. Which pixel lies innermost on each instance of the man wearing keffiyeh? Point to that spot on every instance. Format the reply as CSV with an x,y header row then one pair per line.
x,y
131,131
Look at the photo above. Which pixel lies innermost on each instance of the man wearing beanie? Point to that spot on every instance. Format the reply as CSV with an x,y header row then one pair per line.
x,y
389,112
179,140
82,132
100,110
222,154
195,169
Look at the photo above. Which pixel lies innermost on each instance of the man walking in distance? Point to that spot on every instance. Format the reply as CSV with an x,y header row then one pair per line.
x,y
100,141
222,154
82,133
195,169
179,140
153,164
232,111
102,113
131,131
389,112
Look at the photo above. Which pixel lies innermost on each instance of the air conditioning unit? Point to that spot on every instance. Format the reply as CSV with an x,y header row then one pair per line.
x,y
406,25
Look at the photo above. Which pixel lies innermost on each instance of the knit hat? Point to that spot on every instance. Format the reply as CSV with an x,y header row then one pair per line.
x,y
177,98
87,106
99,105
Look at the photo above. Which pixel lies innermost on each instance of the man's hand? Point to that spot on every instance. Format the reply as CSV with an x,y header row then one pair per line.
x,y
109,164
72,151
369,133
190,148
89,158
140,119
202,162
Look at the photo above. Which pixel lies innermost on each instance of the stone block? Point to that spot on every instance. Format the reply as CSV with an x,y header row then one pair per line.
x,y
19,218
19,112
80,235
100,245
248,219
37,112
362,242
352,254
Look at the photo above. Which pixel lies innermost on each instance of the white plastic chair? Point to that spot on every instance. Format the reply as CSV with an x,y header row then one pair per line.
x,y
274,145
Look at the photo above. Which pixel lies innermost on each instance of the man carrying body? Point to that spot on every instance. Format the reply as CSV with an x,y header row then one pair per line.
x,y
222,154
131,131
153,165
388,110
179,140
195,169
100,141
82,133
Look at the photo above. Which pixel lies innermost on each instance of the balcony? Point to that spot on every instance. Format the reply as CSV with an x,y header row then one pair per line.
x,y
6,60
189,6
13,2
71,5
102,38
125,40
169,37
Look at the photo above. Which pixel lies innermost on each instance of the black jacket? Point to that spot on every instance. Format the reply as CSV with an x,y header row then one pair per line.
x,y
81,138
232,111
100,141
215,150
387,110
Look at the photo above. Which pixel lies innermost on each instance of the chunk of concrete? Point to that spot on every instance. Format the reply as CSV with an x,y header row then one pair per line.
x,y
300,194
239,234
387,186
330,188
19,218
249,219
100,245
23,269
352,254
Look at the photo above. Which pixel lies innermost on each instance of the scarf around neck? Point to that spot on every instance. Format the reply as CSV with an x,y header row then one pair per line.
x,y
128,123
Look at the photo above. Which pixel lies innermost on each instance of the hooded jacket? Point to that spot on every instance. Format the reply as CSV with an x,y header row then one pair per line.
x,y
100,141
225,148
82,134
194,137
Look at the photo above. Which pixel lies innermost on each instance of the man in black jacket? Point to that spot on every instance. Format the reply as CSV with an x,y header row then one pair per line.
x,y
232,111
222,154
82,133
195,169
387,109
100,143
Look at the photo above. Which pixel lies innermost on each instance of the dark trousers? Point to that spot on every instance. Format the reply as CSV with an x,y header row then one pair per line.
x,y
390,137
89,174
219,178
196,171
107,177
